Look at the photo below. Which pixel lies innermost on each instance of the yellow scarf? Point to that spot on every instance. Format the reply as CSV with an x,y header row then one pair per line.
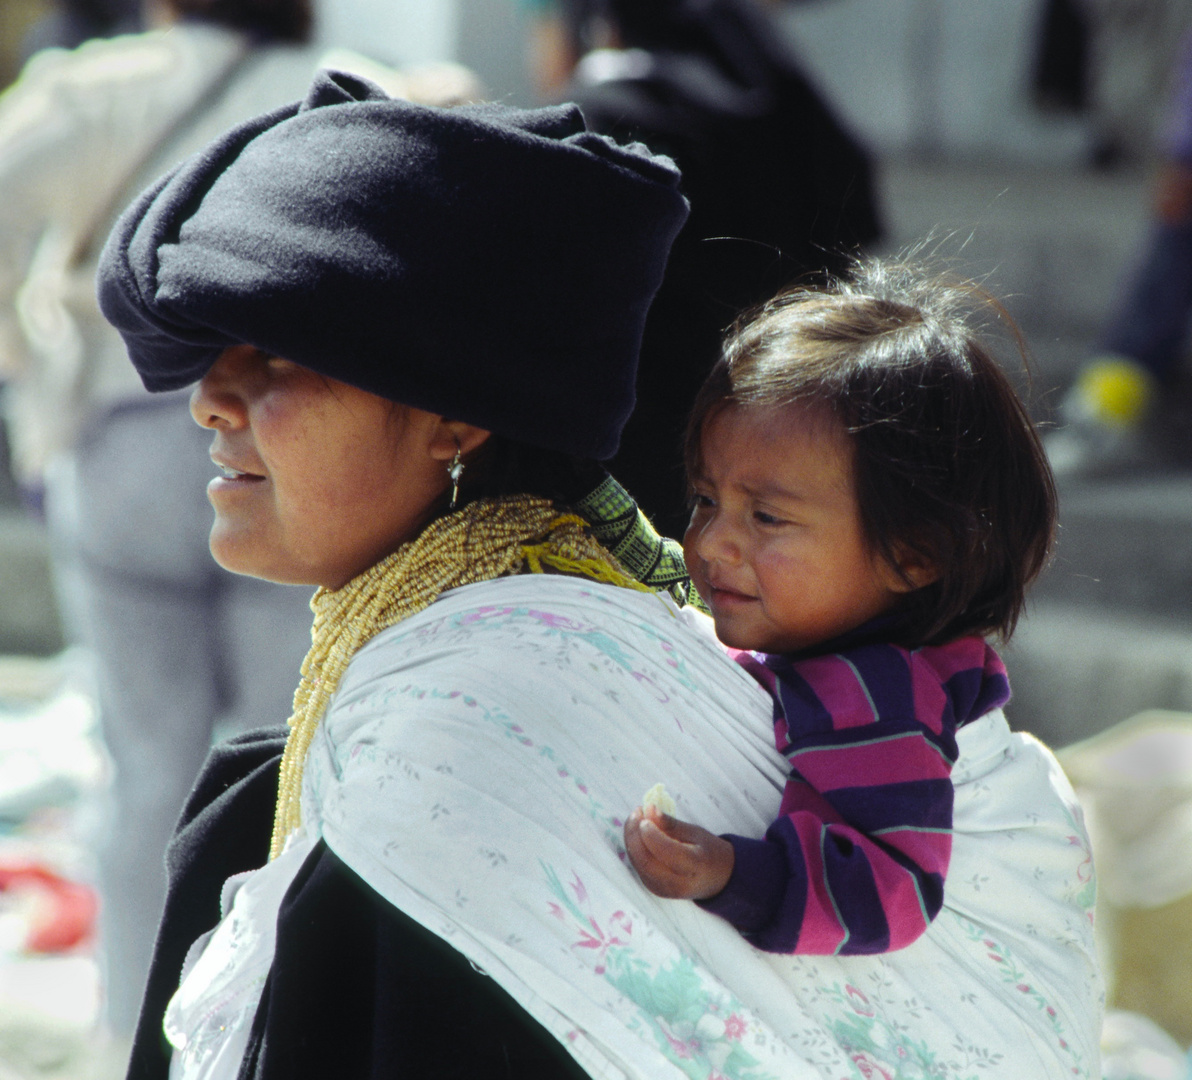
x,y
487,539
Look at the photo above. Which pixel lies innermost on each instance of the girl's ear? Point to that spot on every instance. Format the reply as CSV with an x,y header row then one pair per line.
x,y
454,436
915,570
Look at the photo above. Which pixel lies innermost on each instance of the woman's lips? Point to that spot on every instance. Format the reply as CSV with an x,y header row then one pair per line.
x,y
232,474
232,479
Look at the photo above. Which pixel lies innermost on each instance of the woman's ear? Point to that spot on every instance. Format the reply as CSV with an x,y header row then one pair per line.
x,y
452,437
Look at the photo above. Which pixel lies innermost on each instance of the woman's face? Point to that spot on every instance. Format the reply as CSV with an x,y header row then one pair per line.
x,y
320,480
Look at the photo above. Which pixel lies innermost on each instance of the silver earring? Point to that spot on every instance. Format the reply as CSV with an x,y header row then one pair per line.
x,y
455,470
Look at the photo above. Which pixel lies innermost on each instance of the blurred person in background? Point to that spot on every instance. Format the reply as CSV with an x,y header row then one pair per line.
x,y
1106,413
779,188
71,22
184,651
1060,77
1132,45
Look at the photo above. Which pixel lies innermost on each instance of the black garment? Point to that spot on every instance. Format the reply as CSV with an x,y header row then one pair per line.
x,y
513,252
357,989
1061,68
779,191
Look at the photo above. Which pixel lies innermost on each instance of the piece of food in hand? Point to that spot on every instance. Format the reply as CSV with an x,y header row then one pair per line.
x,y
659,798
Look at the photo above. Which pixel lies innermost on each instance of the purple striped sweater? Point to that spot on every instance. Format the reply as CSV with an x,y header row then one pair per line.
x,y
856,861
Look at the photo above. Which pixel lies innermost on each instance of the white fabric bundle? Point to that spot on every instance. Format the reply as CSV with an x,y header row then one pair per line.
x,y
1136,781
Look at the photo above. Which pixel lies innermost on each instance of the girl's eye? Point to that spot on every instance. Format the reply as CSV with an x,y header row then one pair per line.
x,y
762,518
701,502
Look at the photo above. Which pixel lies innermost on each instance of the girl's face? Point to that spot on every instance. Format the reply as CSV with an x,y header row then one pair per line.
x,y
320,480
775,543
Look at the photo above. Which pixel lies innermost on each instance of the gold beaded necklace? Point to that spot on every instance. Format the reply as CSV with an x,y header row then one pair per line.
x,y
488,538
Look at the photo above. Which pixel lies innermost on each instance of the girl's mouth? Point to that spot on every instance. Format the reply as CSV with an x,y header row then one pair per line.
x,y
722,595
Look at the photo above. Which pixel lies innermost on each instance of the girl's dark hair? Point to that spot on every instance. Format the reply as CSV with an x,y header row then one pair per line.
x,y
947,462
276,20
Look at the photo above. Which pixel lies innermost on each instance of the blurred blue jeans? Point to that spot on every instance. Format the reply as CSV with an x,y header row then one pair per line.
x,y
1151,324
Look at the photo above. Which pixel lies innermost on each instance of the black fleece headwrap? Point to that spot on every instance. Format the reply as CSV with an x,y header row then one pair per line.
x,y
491,264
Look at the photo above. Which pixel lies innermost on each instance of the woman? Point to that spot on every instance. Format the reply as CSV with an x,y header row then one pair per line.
x,y
413,332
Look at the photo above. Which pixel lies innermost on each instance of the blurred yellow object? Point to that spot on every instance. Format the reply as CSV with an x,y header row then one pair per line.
x,y
1115,390
1153,969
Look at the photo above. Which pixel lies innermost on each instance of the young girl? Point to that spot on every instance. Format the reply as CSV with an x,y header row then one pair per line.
x,y
871,501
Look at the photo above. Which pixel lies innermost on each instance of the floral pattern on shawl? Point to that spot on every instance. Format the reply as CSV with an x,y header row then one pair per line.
x,y
490,747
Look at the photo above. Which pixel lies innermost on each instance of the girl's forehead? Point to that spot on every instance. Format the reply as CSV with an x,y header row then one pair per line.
x,y
802,450
811,421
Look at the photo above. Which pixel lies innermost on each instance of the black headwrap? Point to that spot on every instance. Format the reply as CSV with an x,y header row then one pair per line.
x,y
491,264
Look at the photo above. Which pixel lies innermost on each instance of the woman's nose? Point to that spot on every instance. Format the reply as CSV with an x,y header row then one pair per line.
x,y
217,401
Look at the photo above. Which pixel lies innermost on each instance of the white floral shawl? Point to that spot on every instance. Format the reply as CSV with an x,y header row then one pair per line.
x,y
474,768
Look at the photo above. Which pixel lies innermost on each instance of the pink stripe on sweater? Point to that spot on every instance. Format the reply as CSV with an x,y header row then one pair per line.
x,y
799,797
769,681
821,932
839,689
930,698
930,850
962,655
895,760
755,668
900,901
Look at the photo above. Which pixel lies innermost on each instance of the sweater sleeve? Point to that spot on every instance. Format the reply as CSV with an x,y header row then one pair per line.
x,y
856,861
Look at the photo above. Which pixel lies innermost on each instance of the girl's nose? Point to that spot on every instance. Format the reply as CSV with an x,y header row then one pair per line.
x,y
217,400
715,539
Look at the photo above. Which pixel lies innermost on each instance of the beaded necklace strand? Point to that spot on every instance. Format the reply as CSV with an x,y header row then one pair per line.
x,y
487,539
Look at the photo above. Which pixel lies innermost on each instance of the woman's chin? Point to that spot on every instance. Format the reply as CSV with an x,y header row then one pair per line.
x,y
239,555
243,552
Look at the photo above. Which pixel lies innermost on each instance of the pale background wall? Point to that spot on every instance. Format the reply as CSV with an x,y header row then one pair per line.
x,y
945,77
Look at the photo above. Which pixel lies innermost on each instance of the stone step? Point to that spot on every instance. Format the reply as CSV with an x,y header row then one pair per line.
x,y
1078,669
1053,243
1125,545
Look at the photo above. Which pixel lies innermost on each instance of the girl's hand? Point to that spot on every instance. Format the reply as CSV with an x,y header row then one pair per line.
x,y
676,859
